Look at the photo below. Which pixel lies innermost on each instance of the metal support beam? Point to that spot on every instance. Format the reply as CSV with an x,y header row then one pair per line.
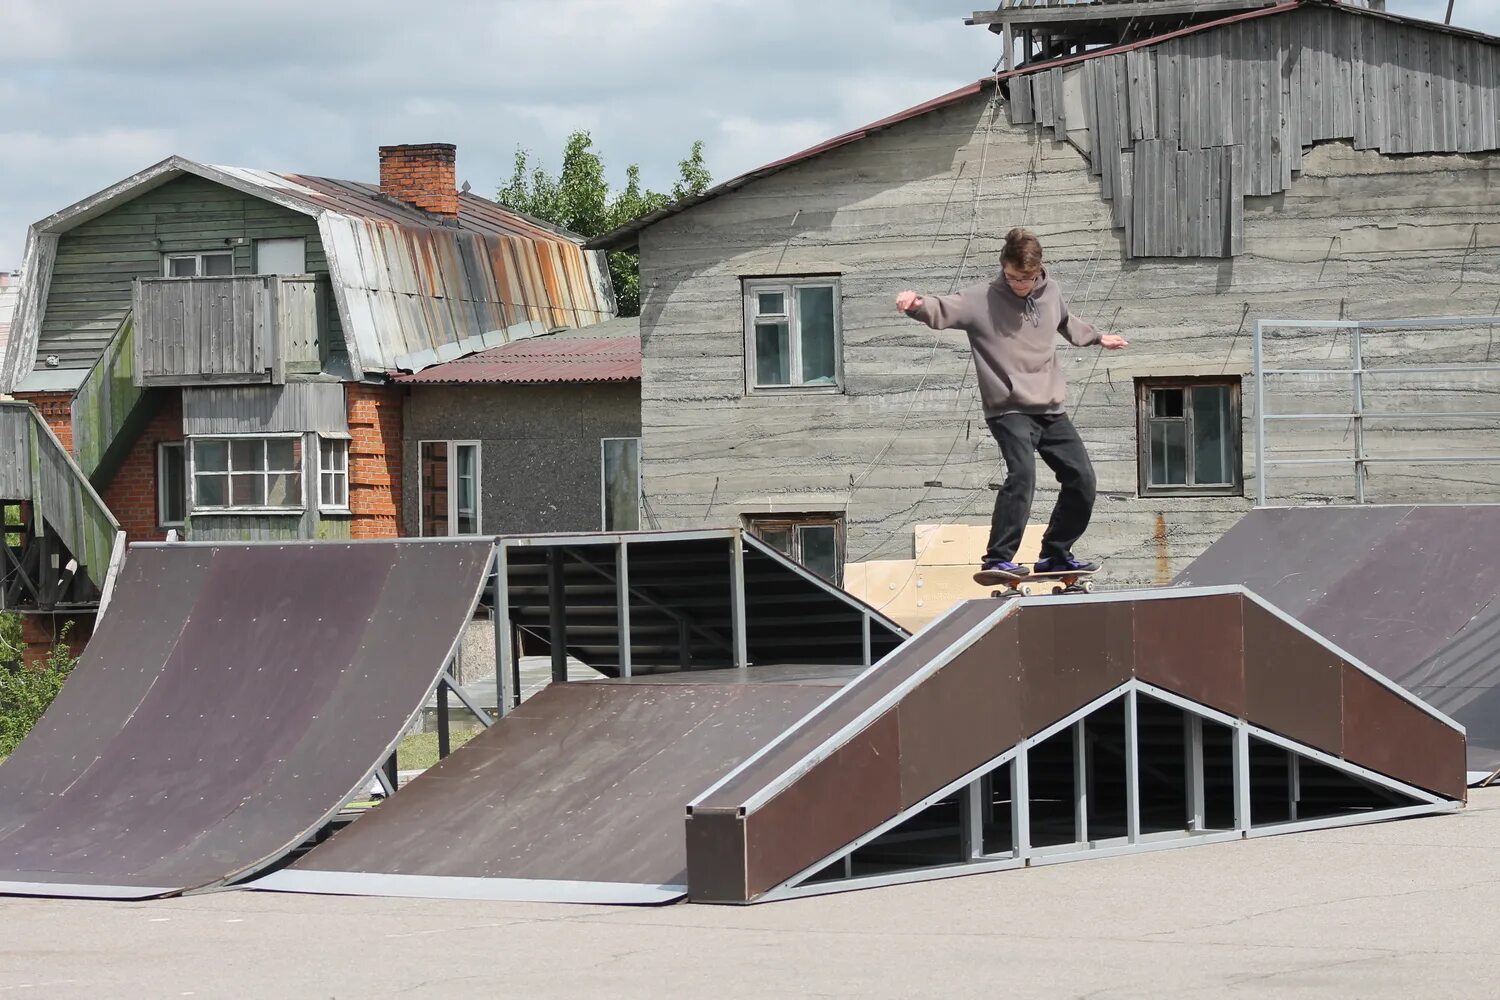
x,y
507,691
1193,739
1020,804
971,811
864,638
1293,784
622,605
1080,782
1242,778
737,600
445,738
393,771
557,615
1132,768
484,718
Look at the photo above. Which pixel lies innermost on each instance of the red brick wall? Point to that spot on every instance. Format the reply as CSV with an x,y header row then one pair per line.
x,y
39,634
131,494
57,409
374,460
423,175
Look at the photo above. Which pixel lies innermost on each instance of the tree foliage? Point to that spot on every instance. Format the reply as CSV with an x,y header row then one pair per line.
x,y
26,692
578,198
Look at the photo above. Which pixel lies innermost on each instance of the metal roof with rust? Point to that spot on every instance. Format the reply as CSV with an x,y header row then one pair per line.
x,y
538,360
412,289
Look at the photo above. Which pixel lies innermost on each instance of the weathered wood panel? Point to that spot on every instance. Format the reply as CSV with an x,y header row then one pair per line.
x,y
269,409
1273,86
62,498
15,451
97,262
106,401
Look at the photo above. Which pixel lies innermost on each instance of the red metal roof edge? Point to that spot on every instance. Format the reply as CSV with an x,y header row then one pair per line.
x,y
572,359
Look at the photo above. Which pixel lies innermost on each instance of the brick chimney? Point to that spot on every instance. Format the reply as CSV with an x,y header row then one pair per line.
x,y
422,175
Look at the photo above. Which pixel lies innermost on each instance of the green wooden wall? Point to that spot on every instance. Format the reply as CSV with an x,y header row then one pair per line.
x,y
98,260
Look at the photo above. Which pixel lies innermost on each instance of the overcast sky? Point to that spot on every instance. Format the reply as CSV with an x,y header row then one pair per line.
x,y
94,90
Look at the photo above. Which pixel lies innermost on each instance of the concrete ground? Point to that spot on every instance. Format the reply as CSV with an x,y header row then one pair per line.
x,y
1403,909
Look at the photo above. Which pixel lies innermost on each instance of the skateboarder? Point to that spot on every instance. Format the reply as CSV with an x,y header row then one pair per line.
x,y
1011,322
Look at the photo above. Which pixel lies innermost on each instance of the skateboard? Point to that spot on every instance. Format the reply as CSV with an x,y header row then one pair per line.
x,y
1065,581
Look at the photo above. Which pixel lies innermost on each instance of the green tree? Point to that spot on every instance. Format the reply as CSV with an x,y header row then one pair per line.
x,y
578,198
26,692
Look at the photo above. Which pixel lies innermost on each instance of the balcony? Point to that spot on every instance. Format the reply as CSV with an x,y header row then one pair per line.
x,y
241,329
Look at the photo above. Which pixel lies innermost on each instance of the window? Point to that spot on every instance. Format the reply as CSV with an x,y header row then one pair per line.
x,y
288,256
171,484
450,487
792,334
333,474
247,473
1188,431
620,483
814,540
212,263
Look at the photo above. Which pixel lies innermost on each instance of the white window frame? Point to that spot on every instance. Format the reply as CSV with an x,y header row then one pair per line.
x,y
751,287
195,510
603,486
197,255
323,505
162,448
453,444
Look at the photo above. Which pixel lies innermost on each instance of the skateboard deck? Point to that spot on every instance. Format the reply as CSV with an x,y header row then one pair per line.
x,y
1066,581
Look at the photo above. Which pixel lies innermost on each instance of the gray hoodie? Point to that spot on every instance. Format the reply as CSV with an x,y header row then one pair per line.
x,y
1015,353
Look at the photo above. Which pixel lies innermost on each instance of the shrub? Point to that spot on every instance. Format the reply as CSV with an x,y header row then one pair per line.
x,y
26,693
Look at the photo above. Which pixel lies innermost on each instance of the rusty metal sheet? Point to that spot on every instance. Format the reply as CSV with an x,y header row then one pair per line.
x,y
967,713
1072,654
864,695
583,783
540,359
1386,733
290,673
854,789
1194,647
1293,684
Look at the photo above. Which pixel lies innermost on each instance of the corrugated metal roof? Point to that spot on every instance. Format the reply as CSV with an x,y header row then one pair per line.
x,y
541,359
413,289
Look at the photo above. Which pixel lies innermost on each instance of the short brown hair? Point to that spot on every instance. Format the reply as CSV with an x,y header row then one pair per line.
x,y
1022,251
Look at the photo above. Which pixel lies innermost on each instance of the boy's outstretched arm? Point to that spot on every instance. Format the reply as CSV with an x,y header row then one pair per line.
x,y
1081,334
941,312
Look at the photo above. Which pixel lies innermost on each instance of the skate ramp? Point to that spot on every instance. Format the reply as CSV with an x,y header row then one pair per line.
x,y
1413,591
226,706
578,795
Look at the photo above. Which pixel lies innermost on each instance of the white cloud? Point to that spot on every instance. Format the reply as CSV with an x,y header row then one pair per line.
x,y
93,90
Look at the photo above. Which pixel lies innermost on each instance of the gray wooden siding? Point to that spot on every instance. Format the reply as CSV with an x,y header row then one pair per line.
x,y
1181,132
255,409
246,328
1357,234
15,451
96,263
59,492
105,401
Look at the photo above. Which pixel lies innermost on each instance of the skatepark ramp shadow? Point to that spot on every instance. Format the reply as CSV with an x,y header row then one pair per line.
x,y
228,704
1412,591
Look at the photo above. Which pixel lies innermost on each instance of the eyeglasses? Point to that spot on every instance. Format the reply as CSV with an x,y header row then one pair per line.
x,y
1021,279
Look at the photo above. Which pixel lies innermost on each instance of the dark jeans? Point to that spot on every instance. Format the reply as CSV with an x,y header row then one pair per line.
x,y
1023,436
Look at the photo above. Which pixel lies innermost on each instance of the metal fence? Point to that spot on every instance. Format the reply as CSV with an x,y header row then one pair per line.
x,y
1414,393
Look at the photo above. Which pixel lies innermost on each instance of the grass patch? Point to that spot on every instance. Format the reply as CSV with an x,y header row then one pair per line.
x,y
419,751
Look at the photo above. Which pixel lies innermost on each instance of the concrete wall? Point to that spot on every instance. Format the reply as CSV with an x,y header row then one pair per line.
x,y
1358,234
539,448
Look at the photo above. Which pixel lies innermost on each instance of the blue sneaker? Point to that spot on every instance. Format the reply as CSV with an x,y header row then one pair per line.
x,y
1003,567
1068,565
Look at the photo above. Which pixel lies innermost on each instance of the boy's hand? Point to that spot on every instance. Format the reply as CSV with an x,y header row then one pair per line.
x,y
1113,342
908,300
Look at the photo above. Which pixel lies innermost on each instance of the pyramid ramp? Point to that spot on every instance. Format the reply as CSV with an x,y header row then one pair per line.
x,y
1035,730
1412,591
226,707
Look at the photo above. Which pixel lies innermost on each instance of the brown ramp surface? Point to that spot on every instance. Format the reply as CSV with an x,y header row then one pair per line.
x,y
1413,591
576,796
229,701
